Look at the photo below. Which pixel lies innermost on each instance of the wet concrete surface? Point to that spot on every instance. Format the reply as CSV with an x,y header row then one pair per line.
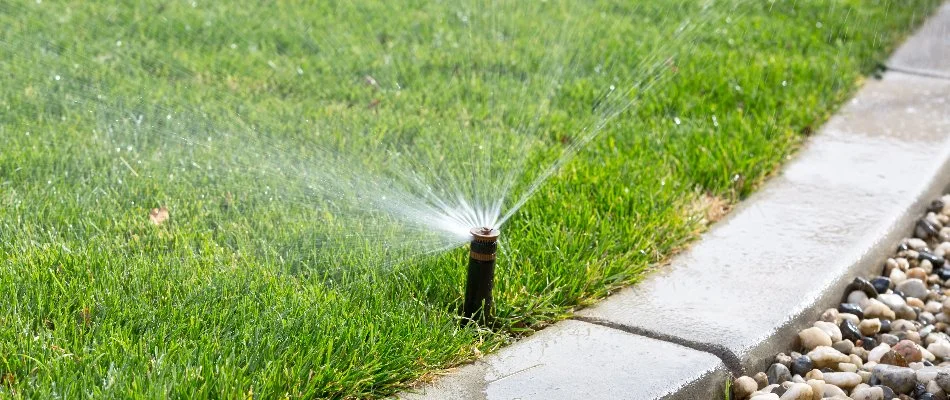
x,y
928,51
578,360
834,212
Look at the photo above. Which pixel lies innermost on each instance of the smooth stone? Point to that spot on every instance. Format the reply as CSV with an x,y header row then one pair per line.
x,y
939,348
917,273
798,391
901,379
783,359
908,350
885,326
766,396
894,358
815,374
817,388
868,342
892,300
876,353
857,297
830,315
933,307
905,312
863,285
843,346
913,288
801,365
849,330
849,308
824,356
889,339
925,229
832,391
847,367
778,373
897,276
868,393
761,379
943,380
888,393
868,327
743,387
943,273
877,309
849,317
844,380
881,284
830,328
814,337
935,260
903,325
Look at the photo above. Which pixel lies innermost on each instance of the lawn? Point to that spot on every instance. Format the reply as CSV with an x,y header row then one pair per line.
x,y
287,141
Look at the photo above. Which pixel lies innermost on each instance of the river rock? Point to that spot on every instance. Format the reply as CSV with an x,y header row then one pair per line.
x,y
893,358
766,396
908,350
843,346
798,391
881,284
868,327
876,353
868,393
830,329
849,308
939,348
827,357
892,300
849,331
761,379
814,337
801,365
877,309
844,380
943,380
901,379
914,288
778,373
743,387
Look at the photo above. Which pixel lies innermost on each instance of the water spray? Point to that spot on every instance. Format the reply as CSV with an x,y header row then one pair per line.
x,y
478,305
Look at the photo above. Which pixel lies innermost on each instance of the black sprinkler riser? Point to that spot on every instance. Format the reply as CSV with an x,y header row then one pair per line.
x,y
479,305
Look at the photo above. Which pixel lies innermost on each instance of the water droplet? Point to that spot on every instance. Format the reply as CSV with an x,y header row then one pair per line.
x,y
56,77
676,120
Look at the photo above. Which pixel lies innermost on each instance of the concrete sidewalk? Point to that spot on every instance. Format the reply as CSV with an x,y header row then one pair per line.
x,y
741,294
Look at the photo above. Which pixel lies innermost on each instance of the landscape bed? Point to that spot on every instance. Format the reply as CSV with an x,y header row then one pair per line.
x,y
227,289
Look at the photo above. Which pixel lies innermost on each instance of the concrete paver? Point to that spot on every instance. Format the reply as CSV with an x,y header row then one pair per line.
x,y
577,360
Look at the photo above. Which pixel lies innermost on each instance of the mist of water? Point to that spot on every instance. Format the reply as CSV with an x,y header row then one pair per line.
x,y
417,137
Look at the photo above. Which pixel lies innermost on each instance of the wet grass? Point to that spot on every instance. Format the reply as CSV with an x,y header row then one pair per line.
x,y
235,296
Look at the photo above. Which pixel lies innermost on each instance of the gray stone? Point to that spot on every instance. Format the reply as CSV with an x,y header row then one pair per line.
x,y
901,379
914,288
778,373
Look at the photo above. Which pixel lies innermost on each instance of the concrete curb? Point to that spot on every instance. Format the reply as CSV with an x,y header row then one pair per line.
x,y
740,295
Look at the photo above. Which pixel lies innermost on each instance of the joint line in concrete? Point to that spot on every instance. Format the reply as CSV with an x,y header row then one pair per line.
x,y
728,358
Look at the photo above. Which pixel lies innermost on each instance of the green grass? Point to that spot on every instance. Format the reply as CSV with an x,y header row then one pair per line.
x,y
241,293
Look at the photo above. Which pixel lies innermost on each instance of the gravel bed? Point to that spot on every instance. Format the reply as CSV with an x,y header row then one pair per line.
x,y
887,339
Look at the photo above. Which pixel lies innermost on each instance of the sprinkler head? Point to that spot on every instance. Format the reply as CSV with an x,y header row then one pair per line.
x,y
478,305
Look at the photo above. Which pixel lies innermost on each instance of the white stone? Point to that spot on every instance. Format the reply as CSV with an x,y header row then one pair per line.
x,y
831,329
940,348
868,393
798,391
870,326
824,356
814,337
876,353
844,380
877,309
